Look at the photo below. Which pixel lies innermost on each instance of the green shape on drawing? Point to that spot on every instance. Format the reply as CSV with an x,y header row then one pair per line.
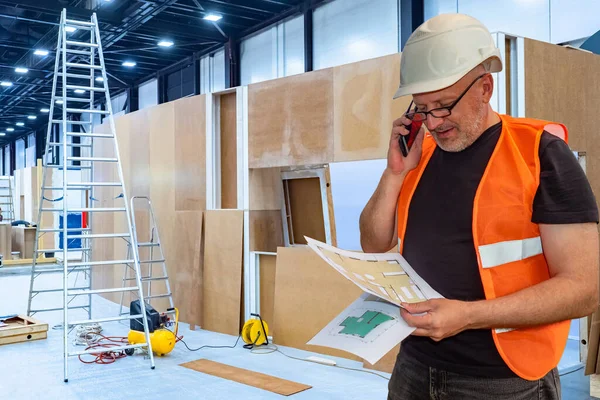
x,y
363,325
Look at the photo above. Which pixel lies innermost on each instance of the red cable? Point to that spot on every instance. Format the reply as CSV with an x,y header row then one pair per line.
x,y
106,357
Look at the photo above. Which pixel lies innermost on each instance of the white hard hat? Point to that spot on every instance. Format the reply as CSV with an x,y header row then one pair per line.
x,y
442,50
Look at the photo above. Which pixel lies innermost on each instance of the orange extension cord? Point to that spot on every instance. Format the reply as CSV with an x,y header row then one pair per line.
x,y
107,356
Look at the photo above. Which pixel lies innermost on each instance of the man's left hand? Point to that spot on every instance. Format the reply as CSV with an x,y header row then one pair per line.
x,y
441,318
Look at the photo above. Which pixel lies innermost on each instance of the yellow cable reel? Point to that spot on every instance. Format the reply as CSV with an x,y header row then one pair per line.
x,y
255,331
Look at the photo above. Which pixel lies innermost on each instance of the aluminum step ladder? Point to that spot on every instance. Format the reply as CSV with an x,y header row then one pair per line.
x,y
69,150
7,199
153,255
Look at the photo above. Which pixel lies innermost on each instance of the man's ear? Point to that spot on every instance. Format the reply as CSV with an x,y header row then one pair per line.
x,y
488,87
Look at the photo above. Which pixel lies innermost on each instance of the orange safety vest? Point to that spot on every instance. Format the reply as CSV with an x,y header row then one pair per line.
x,y
508,245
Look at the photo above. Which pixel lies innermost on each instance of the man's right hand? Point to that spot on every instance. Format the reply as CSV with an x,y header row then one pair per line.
x,y
398,164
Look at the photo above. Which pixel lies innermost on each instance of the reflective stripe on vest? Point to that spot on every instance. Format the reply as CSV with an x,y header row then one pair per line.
x,y
493,255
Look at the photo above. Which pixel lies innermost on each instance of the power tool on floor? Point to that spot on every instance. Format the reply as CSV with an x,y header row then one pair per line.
x,y
162,339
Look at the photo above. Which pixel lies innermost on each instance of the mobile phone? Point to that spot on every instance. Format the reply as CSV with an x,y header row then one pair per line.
x,y
406,141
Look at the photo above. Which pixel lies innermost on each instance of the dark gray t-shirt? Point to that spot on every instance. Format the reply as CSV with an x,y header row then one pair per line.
x,y
439,241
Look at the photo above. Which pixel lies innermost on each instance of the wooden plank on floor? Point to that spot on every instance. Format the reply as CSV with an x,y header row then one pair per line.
x,y
247,377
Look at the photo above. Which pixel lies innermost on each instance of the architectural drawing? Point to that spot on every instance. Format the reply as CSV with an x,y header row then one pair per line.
x,y
371,326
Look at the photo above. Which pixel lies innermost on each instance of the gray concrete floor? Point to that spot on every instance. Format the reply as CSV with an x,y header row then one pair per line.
x,y
34,370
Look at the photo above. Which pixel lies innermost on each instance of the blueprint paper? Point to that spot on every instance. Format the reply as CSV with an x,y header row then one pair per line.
x,y
368,328
371,326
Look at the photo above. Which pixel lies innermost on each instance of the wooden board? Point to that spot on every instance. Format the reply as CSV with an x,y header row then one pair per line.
x,y
309,293
267,269
23,338
21,329
364,108
266,230
222,275
228,145
306,209
23,240
266,189
290,120
247,377
6,240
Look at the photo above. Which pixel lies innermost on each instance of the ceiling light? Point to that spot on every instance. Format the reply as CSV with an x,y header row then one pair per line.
x,y
212,17
70,29
21,70
41,52
129,64
20,124
6,84
99,79
31,117
59,101
44,110
79,91
10,129
2,134
165,43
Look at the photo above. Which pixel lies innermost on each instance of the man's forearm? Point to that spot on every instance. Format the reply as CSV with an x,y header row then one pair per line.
x,y
557,299
377,220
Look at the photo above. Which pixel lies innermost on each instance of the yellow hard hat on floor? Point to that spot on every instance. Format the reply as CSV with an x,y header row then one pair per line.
x,y
444,49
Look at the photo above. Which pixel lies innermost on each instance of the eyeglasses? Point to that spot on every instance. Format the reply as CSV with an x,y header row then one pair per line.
x,y
440,112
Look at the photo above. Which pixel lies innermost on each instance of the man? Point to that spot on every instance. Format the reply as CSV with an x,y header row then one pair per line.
x,y
496,214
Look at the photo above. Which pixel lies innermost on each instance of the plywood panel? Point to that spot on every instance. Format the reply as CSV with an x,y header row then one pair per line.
x,y
308,295
190,153
266,189
290,120
266,230
562,84
267,265
364,109
306,209
222,275
228,124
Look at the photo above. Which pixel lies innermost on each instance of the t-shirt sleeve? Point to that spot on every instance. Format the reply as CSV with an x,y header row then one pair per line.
x,y
564,195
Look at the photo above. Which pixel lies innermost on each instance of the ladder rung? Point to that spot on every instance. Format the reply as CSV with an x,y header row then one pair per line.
x,y
100,291
95,263
69,144
101,320
118,209
62,250
152,261
94,184
56,290
98,236
82,52
95,89
78,99
83,110
147,278
58,309
78,76
100,350
52,270
98,159
68,230
147,244
59,121
158,296
69,188
60,166
96,135
80,44
77,22
88,66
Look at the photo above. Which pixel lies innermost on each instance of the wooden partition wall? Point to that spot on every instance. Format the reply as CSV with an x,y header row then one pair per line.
x,y
163,156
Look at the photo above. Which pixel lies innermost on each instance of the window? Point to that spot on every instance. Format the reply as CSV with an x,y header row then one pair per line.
x,y
180,83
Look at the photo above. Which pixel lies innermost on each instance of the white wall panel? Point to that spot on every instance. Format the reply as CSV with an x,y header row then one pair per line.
x,y
7,160
148,94
218,71
346,31
431,8
258,56
293,46
20,154
118,102
352,185
574,20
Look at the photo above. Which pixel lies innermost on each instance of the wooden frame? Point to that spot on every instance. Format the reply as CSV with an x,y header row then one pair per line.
x,y
308,172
